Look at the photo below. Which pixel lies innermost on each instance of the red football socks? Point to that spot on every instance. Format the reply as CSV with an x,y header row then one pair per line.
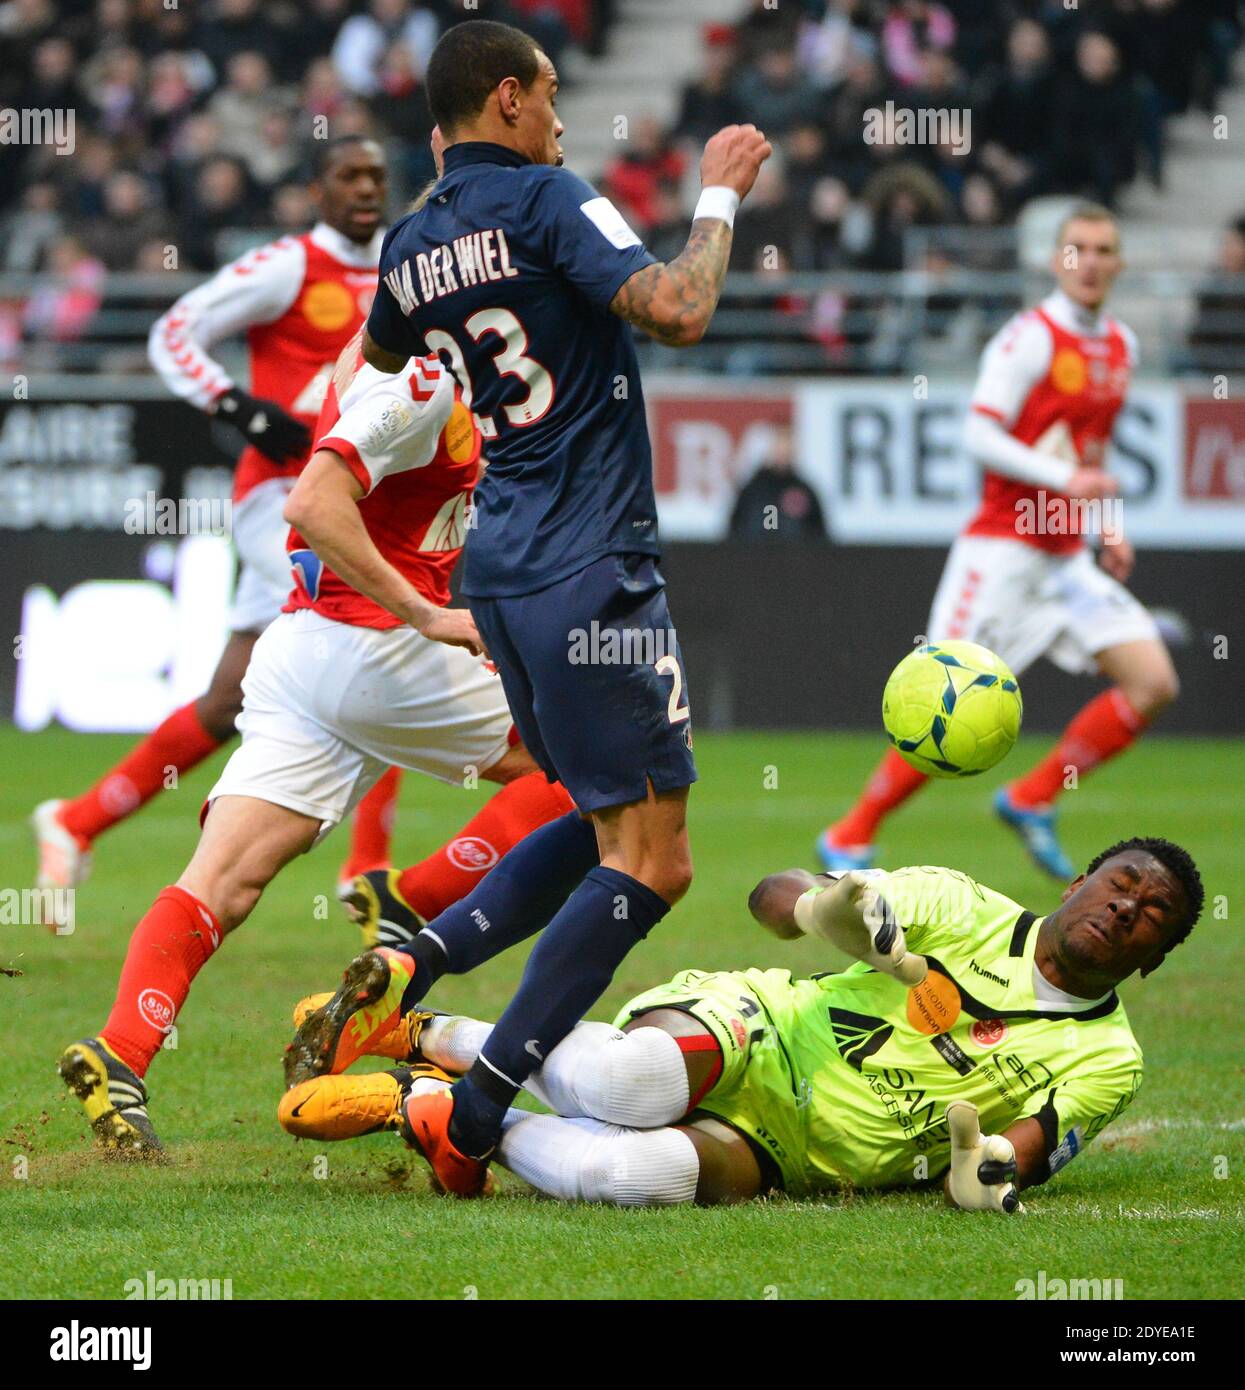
x,y
373,826
454,870
168,949
178,744
1105,727
892,783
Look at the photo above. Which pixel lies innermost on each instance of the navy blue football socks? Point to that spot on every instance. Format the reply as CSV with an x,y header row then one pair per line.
x,y
516,898
569,969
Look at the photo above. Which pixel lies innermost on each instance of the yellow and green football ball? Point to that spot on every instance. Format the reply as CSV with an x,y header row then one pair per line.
x,y
952,709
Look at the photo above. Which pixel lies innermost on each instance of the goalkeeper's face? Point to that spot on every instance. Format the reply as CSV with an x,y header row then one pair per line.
x,y
1122,917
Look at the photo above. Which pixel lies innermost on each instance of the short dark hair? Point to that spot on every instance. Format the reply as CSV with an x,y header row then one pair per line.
x,y
467,64
1178,861
322,152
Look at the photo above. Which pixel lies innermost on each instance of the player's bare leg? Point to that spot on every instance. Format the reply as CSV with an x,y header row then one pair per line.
x,y
1145,683
65,830
245,843
647,840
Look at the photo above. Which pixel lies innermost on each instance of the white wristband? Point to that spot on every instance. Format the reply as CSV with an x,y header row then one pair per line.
x,y
717,201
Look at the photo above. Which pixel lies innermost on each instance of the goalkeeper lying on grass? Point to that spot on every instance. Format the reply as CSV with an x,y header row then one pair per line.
x,y
963,1013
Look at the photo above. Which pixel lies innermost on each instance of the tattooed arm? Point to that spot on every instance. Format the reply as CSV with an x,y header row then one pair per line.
x,y
674,302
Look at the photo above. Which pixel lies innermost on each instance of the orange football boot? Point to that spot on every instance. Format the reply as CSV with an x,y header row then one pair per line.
x,y
400,1044
425,1125
344,1107
367,1005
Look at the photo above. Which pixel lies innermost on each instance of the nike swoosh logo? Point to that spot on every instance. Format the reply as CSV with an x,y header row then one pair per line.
x,y
532,1049
298,1107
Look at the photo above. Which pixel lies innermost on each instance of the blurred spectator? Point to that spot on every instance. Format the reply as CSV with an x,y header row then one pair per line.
x,y
776,504
862,90
319,23
129,218
176,83
805,164
53,80
365,37
275,156
775,93
64,304
709,103
27,233
767,25
400,102
220,198
828,49
114,82
1217,338
911,28
634,179
901,196
230,27
242,106
764,224
1016,108
1096,122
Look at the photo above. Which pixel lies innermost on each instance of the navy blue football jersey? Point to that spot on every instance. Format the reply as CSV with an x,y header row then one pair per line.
x,y
508,271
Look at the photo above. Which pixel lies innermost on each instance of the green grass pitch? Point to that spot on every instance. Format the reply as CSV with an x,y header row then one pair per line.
x,y
1156,1202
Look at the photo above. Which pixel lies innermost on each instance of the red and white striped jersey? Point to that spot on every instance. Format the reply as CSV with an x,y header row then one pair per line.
x,y
415,449
1055,377
299,300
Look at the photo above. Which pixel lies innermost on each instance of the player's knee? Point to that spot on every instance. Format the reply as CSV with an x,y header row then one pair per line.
x,y
1153,691
634,1168
641,1080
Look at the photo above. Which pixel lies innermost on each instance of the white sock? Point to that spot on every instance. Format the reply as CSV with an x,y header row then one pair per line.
x,y
636,1079
584,1160
453,1041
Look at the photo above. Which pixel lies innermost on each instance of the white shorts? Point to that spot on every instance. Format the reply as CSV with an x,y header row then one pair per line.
x,y
1023,603
327,707
259,532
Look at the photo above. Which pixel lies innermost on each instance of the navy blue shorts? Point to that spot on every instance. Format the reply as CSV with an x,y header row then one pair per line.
x,y
594,676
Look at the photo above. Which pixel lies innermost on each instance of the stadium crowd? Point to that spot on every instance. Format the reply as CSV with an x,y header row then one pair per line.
x,y
1063,99
194,123
194,120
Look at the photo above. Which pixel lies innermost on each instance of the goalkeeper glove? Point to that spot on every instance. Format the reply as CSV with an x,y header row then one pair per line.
x,y
983,1167
855,917
270,429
